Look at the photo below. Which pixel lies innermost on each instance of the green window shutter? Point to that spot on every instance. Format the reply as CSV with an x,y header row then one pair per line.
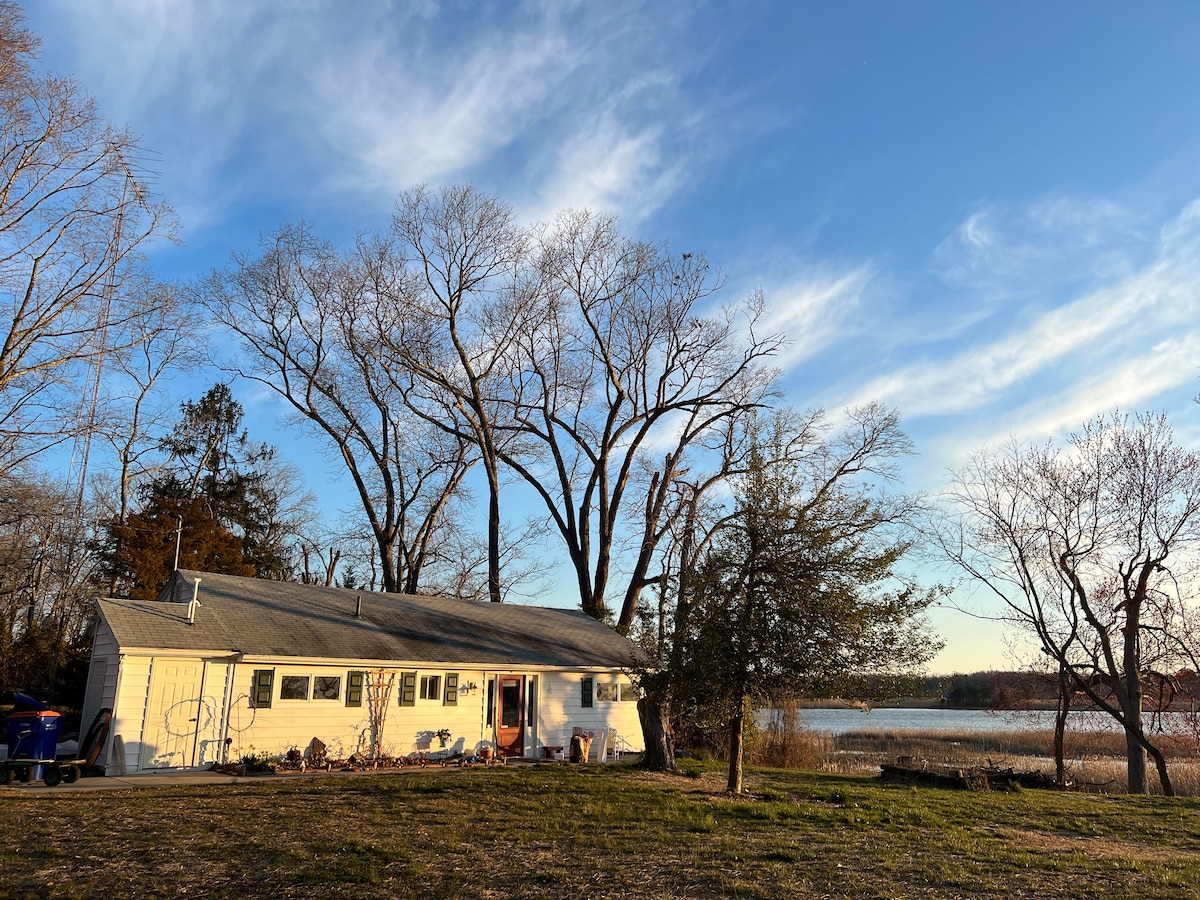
x,y
354,688
408,688
450,698
264,684
587,691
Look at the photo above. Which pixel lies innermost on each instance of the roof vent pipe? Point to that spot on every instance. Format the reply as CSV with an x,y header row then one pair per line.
x,y
195,602
358,608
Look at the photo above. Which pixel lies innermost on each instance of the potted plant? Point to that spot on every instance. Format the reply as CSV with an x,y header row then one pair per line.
x,y
256,764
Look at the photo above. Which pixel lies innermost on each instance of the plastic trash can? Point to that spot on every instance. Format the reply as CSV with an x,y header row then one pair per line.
x,y
32,731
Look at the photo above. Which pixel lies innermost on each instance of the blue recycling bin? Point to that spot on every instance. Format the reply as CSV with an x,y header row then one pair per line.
x,y
32,731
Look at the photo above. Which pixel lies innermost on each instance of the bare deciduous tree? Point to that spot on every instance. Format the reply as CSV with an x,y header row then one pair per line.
x,y
1092,549
457,307
72,219
619,375
135,414
308,323
572,356
46,584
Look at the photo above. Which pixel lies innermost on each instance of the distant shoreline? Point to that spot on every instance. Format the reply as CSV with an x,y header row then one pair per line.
x,y
912,703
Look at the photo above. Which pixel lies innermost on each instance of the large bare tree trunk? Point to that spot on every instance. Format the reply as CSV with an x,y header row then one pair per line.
x,y
1160,764
1135,762
657,735
737,729
493,580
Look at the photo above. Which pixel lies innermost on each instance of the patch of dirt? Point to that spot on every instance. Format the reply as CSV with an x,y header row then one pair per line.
x,y
708,784
1093,847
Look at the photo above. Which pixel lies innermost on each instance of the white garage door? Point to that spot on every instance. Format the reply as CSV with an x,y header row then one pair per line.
x,y
172,712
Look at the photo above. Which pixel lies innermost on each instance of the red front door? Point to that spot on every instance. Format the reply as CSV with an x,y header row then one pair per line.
x,y
510,724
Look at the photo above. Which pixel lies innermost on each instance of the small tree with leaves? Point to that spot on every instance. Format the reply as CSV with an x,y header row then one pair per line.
x,y
798,591
139,554
221,497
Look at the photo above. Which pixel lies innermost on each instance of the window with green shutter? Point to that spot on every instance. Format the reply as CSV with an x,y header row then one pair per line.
x,y
354,688
264,684
408,688
431,687
587,691
451,695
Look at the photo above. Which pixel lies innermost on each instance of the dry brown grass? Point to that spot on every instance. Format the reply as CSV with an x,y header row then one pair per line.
x,y
786,744
592,831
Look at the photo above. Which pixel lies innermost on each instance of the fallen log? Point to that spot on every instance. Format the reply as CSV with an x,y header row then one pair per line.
x,y
972,778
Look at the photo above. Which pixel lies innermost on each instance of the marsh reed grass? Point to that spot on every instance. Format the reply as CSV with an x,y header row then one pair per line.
x,y
1095,759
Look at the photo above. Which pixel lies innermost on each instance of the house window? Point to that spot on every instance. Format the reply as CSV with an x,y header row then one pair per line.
x,y
261,689
408,688
451,698
491,702
327,687
630,693
354,688
586,691
293,687
606,693
431,687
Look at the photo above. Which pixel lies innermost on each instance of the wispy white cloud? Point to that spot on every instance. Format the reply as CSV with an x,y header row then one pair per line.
x,y
407,109
1123,343
1136,383
178,73
814,310
607,164
1008,346
998,253
557,105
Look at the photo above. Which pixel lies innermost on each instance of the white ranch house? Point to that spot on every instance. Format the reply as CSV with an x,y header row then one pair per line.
x,y
218,667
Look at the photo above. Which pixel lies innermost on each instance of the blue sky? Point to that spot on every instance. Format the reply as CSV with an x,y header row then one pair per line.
x,y
986,214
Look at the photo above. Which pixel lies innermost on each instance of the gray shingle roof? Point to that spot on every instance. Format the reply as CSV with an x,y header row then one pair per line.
x,y
271,618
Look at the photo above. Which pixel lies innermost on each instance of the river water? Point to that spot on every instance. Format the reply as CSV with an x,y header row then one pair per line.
x,y
840,721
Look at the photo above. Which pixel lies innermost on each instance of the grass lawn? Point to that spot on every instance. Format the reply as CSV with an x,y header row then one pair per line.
x,y
570,832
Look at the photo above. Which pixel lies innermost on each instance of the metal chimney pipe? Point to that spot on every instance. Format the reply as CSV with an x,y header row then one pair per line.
x,y
195,602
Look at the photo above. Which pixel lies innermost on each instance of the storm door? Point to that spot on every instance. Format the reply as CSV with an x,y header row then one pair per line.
x,y
510,724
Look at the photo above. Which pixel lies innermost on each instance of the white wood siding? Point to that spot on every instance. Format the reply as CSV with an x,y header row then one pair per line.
x,y
561,710
129,714
346,730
